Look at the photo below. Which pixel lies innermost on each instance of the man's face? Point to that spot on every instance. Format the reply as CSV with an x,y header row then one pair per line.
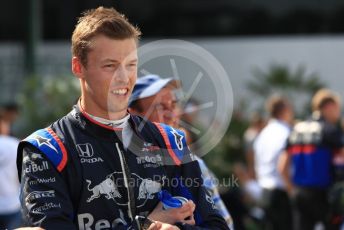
x,y
109,77
289,114
10,115
161,107
331,112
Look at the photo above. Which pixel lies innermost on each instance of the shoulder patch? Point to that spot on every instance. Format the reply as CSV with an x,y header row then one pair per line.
x,y
175,141
50,145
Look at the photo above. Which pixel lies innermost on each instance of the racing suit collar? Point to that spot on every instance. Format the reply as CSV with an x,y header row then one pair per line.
x,y
91,126
95,128
118,124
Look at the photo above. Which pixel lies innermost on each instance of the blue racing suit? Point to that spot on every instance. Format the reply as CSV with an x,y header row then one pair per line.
x,y
77,174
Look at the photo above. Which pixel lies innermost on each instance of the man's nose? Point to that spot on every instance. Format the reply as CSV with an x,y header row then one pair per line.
x,y
121,75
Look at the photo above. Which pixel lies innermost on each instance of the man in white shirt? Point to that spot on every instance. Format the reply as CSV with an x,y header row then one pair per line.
x,y
268,147
9,184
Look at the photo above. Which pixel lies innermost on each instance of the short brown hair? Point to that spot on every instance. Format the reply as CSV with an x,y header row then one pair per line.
x,y
105,21
276,105
323,97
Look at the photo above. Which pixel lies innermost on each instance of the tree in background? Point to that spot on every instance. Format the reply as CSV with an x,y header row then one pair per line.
x,y
43,100
298,86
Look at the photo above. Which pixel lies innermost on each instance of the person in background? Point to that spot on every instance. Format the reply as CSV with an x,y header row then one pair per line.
x,y
155,99
9,113
190,118
257,123
268,147
246,174
10,216
307,164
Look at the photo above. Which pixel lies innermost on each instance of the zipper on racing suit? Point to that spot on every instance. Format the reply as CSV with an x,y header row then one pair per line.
x,y
126,175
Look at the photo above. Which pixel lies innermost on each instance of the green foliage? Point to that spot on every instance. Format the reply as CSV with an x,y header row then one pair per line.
x,y
297,85
44,100
280,79
230,150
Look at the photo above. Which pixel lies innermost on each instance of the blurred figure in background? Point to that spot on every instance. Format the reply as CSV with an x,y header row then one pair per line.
x,y
246,175
189,118
312,145
268,147
336,192
9,113
251,192
193,129
257,123
10,216
155,99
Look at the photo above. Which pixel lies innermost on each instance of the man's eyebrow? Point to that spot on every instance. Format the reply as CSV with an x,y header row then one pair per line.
x,y
115,61
134,60
110,60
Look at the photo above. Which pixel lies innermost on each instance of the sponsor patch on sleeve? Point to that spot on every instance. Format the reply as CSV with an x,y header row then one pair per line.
x,y
50,145
175,141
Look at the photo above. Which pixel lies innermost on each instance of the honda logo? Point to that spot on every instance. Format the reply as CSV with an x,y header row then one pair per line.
x,y
85,150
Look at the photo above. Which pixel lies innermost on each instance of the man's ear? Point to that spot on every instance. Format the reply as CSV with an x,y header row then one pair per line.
x,y
77,67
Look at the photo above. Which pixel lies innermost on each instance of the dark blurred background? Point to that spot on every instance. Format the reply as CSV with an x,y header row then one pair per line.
x,y
190,18
182,18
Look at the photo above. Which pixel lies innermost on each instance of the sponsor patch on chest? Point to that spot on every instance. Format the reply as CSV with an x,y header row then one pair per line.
x,y
86,154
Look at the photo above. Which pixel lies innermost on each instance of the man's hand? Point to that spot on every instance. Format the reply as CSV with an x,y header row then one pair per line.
x,y
174,215
162,226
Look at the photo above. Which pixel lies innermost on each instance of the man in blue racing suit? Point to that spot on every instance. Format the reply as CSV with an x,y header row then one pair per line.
x,y
99,167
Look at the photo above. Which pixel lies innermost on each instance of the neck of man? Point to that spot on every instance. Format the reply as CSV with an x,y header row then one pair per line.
x,y
283,119
93,109
5,128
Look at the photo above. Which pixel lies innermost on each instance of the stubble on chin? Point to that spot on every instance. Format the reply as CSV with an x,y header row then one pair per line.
x,y
116,108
